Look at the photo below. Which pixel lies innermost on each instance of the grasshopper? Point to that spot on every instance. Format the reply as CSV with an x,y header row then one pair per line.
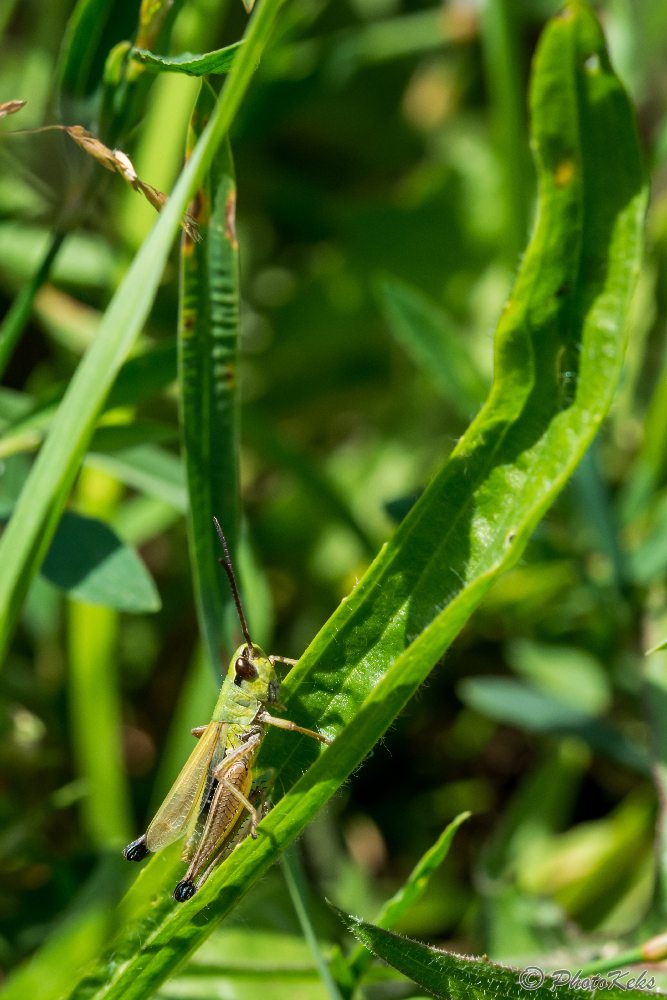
x,y
213,803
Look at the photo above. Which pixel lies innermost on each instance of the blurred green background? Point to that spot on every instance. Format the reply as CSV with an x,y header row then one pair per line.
x,y
384,173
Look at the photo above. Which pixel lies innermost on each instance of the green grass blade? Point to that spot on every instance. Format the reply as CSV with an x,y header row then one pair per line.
x,y
29,532
649,466
458,978
500,26
388,38
567,313
96,723
19,312
265,439
84,33
429,337
409,893
298,890
208,363
218,61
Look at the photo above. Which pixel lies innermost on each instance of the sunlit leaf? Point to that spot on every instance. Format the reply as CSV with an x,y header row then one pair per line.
x,y
219,61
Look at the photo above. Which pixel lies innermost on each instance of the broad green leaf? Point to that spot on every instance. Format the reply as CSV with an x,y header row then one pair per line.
x,y
219,61
517,704
37,512
209,399
429,336
88,561
572,675
566,314
457,978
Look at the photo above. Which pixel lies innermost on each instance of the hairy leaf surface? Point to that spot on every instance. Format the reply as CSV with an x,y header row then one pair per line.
x,y
458,978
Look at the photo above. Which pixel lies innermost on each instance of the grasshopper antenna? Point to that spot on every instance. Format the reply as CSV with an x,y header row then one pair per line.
x,y
226,564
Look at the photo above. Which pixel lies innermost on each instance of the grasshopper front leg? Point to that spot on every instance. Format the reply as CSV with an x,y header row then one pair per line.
x,y
264,717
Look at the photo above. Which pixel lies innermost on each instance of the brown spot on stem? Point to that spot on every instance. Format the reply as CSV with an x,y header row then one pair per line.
x,y
230,219
564,173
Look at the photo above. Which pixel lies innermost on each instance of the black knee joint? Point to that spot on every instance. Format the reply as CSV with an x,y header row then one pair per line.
x,y
137,850
184,891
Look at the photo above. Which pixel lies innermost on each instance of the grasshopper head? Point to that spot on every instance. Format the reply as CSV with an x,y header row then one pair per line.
x,y
252,671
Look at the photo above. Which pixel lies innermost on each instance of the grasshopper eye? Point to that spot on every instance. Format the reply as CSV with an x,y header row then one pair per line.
x,y
244,669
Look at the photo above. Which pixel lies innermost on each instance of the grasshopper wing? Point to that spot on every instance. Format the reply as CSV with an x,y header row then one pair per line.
x,y
184,798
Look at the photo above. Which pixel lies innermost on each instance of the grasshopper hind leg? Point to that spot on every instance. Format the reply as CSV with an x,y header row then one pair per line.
x,y
184,890
137,850
239,833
